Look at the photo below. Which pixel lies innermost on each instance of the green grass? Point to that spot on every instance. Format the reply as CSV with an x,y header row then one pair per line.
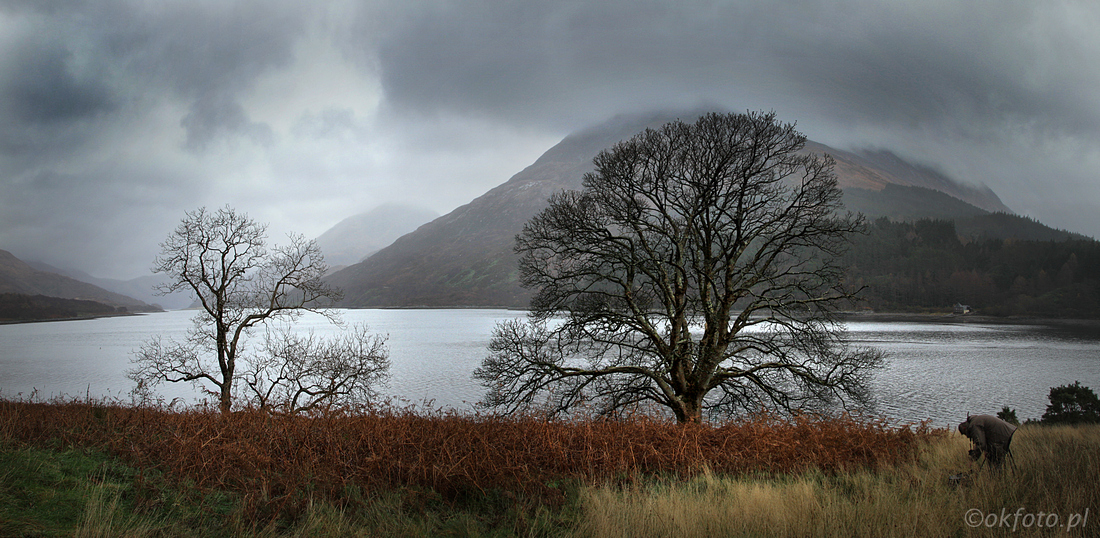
x,y
74,492
71,492
49,493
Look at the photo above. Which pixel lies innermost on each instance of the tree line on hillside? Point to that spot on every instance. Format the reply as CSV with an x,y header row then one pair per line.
x,y
21,307
925,266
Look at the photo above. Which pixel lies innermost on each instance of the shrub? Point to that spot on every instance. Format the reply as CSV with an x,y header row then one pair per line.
x,y
1072,404
1008,415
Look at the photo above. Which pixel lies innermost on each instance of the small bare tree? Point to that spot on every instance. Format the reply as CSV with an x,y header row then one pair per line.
x,y
223,259
303,372
696,270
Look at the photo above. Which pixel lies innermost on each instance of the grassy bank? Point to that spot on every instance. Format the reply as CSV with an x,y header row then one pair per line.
x,y
1055,471
96,470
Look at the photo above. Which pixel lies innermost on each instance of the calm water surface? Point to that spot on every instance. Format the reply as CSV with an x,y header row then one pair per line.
x,y
937,371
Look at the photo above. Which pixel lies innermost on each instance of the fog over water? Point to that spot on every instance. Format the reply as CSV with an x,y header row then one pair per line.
x,y
936,371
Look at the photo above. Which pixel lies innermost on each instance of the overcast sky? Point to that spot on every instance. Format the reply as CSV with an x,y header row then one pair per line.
x,y
118,116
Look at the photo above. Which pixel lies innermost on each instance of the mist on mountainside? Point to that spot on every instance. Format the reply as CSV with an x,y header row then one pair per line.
x,y
356,237
19,278
405,256
142,288
879,170
353,239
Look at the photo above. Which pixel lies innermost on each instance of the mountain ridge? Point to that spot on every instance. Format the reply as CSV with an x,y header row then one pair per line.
x,y
886,168
142,288
19,277
465,258
456,260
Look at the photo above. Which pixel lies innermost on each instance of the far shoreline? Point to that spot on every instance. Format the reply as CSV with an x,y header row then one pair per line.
x,y
884,317
950,318
77,318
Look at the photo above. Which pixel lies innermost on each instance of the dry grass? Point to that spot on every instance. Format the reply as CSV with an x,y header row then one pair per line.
x,y
373,472
1056,471
279,464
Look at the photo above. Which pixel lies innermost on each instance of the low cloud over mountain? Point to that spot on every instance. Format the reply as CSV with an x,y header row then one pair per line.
x,y
465,257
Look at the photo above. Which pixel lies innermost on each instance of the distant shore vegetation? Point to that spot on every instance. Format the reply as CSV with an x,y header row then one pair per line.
x,y
17,308
926,266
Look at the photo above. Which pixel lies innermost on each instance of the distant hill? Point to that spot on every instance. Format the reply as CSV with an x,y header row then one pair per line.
x,y
356,237
465,258
16,307
20,278
142,288
907,203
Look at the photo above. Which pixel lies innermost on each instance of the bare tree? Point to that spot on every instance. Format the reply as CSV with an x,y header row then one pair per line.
x,y
223,259
302,372
696,270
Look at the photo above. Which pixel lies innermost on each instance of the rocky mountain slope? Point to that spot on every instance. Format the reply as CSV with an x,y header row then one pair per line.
x,y
875,170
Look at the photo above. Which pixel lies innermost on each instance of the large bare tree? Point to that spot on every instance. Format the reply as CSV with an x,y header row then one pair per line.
x,y
696,270
222,257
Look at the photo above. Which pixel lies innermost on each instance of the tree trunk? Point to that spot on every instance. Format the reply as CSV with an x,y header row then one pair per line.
x,y
226,358
690,410
225,401
225,398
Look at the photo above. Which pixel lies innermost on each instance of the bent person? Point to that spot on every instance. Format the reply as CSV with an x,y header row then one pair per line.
x,y
991,436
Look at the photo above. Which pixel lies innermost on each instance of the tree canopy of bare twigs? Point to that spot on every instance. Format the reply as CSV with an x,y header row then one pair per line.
x,y
696,271
223,259
301,372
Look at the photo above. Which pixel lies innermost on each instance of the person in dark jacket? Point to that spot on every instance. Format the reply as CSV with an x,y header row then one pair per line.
x,y
991,436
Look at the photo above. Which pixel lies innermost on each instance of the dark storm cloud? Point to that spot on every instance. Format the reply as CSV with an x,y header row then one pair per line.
x,y
537,60
194,47
218,114
206,54
81,84
995,92
50,98
41,89
989,66
884,62
116,116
